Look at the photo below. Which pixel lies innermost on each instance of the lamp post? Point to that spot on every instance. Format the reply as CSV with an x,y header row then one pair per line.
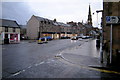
x,y
101,37
39,31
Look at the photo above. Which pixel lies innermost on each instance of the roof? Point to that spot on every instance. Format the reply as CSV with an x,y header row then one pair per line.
x,y
8,23
88,26
22,26
61,24
42,19
51,21
39,18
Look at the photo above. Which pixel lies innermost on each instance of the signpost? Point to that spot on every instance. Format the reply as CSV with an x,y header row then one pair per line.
x,y
112,20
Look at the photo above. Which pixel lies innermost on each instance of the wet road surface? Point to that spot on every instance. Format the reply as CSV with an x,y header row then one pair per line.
x,y
55,59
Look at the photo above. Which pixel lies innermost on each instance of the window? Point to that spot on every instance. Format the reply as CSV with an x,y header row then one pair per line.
x,y
45,22
41,21
13,29
6,29
48,22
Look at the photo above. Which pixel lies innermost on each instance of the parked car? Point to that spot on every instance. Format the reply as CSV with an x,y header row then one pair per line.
x,y
74,38
79,36
65,37
48,38
84,37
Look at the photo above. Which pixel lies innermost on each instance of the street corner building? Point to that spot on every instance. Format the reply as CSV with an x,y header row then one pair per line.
x,y
111,38
9,31
38,27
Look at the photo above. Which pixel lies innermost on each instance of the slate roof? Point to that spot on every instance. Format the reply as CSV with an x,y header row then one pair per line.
x,y
23,26
8,23
88,26
43,19
51,21
61,24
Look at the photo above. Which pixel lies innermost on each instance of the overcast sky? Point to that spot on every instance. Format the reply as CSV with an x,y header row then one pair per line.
x,y
62,10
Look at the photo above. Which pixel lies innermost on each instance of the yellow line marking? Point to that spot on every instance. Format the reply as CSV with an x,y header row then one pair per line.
x,y
90,68
103,70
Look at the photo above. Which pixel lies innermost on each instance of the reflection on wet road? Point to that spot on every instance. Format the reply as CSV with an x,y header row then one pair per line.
x,y
56,59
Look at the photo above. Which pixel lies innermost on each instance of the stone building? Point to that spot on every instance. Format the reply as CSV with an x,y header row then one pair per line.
x,y
74,28
111,9
23,32
87,30
9,31
40,27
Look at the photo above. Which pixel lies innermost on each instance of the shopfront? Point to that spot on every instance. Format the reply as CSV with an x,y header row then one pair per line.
x,y
8,37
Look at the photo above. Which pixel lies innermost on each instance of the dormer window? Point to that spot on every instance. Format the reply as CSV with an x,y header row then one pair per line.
x,y
41,21
45,22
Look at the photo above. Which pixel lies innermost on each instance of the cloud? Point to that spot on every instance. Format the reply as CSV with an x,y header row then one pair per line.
x,y
62,10
18,11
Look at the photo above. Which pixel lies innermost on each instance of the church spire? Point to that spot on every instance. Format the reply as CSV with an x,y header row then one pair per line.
x,y
89,17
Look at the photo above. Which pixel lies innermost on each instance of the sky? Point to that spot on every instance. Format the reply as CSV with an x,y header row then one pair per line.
x,y
62,10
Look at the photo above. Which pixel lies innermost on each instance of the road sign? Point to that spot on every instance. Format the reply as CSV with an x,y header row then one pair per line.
x,y
112,19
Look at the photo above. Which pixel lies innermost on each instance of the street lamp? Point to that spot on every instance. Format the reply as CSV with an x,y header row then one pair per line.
x,y
101,37
40,29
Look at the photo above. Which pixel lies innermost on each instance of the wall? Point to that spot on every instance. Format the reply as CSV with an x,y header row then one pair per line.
x,y
32,28
112,9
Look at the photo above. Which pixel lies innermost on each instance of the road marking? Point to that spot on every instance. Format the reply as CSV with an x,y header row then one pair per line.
x,y
17,73
39,63
29,66
90,68
103,70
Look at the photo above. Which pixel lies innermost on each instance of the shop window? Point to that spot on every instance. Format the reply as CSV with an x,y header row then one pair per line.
x,y
13,29
6,35
11,36
6,29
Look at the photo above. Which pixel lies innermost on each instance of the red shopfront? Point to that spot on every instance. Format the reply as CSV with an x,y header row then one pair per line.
x,y
13,37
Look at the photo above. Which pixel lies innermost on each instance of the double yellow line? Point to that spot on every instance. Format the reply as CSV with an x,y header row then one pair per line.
x,y
105,71
90,68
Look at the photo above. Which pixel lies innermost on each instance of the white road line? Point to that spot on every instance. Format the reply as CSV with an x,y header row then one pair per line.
x,y
39,63
29,66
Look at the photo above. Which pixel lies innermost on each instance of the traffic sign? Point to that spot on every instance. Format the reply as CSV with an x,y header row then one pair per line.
x,y
112,19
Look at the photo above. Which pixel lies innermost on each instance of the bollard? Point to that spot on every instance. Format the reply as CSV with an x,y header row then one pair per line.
x,y
39,41
45,40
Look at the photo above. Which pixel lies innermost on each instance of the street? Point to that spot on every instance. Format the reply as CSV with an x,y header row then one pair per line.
x,y
63,58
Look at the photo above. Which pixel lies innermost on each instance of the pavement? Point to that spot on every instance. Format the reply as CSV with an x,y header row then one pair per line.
x,y
66,59
87,55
